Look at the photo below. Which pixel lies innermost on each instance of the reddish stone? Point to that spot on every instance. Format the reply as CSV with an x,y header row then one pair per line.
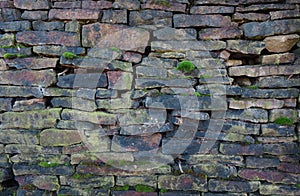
x,y
288,167
75,4
50,37
132,57
96,4
79,14
281,43
170,6
31,4
220,33
32,63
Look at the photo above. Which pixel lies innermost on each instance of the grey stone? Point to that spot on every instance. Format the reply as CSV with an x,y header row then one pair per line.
x,y
141,83
277,130
150,17
232,186
5,104
199,159
7,39
151,72
14,26
255,162
265,7
73,26
88,80
21,91
74,102
114,16
47,26
278,189
238,149
277,82
159,62
281,148
25,169
182,20
11,136
168,33
251,115
270,93
127,4
278,113
57,50
245,46
187,45
215,170
34,15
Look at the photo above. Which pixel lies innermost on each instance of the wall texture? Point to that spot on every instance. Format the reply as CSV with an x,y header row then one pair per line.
x,y
94,99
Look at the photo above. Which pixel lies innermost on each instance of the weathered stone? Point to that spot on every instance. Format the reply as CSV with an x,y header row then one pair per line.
x,y
159,62
215,2
183,182
278,113
132,57
277,82
127,4
238,149
85,80
34,15
106,157
259,103
74,102
41,78
278,189
281,43
288,167
49,183
141,83
255,162
57,50
252,115
227,194
215,170
107,35
264,29
170,6
281,148
58,92
150,17
241,127
32,63
245,17
51,37
191,114
201,159
30,149
23,51
20,91
245,46
187,45
119,80
212,10
135,180
47,26
284,14
235,137
272,140
220,33
57,137
271,93
6,104
258,71
86,181
86,93
265,7
78,14
3,66
114,16
4,4
93,117
168,33
182,20
277,130
135,143
20,169
72,26
146,129
7,39
8,14
269,176
124,102
5,174
96,5
38,119
14,26
232,186
278,58
106,93
31,4
11,136
143,71
41,158
5,162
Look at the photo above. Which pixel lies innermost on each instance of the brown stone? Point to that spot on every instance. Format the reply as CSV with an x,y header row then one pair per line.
x,y
32,63
48,37
278,58
281,43
58,137
170,6
122,37
220,33
76,14
31,4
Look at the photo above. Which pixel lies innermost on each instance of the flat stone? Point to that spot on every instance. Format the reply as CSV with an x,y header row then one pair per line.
x,y
97,5
289,167
159,62
106,93
127,4
49,183
38,158
5,174
91,182
260,103
43,78
143,71
32,63
212,10
241,127
220,33
278,113
199,159
232,186
20,169
245,46
215,170
277,130
281,148
215,2
51,37
278,189
132,57
170,6
58,92
21,91
93,117
256,162
34,15
7,39
268,28
47,26
135,180
183,182
265,7
78,14
281,43
168,33
31,4
284,14
124,102
247,17
8,14
141,83
27,105
85,80
269,176
11,136
187,45
6,104
75,4
114,16
14,26
150,17
238,149
107,35
58,137
271,93
277,82
273,140
251,115
57,50
119,80
258,71
106,157
278,58
38,119
182,20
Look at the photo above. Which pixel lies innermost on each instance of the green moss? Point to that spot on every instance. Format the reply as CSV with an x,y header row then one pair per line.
x,y
201,95
47,164
283,121
81,176
121,188
297,186
114,49
161,2
206,76
9,56
69,55
163,190
186,66
144,188
13,46
252,87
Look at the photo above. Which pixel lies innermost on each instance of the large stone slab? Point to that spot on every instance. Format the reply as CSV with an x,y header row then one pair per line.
x,y
14,26
277,82
271,93
122,37
21,91
278,189
215,170
281,148
220,33
58,137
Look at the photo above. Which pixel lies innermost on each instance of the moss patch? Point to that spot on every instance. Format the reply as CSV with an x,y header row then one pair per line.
x,y
47,164
283,121
297,186
186,66
69,55
201,95
144,188
121,188
81,176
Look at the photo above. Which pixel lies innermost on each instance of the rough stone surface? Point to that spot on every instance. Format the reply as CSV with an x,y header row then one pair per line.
x,y
278,58
232,186
32,4
245,47
150,17
281,43
78,14
181,20
56,137
220,33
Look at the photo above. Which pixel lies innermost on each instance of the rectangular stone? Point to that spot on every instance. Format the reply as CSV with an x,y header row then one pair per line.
x,y
256,162
220,33
258,71
284,14
277,130
150,17
212,10
239,149
283,58
270,93
20,91
74,102
287,113
41,78
32,63
187,45
259,103
141,83
245,17
265,7
216,2
6,104
114,16
83,80
101,157
277,82
245,46
135,180
168,6
251,115
229,159
46,38
168,33
47,26
57,51
31,4
30,104
281,148
58,137
21,169
35,15
183,20
215,170
96,4
232,186
87,181
15,51
12,136
74,14
15,26
74,4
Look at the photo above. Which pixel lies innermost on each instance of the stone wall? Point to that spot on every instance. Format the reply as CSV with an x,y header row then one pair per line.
x,y
124,97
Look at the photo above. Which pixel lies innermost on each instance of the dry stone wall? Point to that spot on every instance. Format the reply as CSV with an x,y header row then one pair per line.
x,y
149,97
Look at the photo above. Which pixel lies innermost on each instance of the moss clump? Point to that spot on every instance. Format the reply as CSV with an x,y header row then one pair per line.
x,y
47,164
163,190
81,176
144,188
114,49
297,186
12,56
252,87
283,121
197,94
121,188
161,2
69,55
186,66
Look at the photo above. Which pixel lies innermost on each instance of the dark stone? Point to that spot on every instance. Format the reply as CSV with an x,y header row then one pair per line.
x,y
150,17
247,17
238,149
182,20
19,91
31,4
23,51
251,115
281,148
8,15
277,130
106,93
74,102
14,26
88,80
114,16
168,33
20,169
127,4
256,162
272,189
57,50
32,63
34,15
290,168
215,170
97,5
265,7
47,26
171,6
241,127
232,186
5,174
270,93
277,82
212,10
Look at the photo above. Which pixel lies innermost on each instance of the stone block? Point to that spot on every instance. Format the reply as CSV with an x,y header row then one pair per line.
x,y
77,14
31,4
35,15
238,149
150,17
57,137
182,20
14,26
32,63
212,10
278,58
168,33
127,4
49,183
169,6
281,43
220,33
232,186
281,148
114,16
